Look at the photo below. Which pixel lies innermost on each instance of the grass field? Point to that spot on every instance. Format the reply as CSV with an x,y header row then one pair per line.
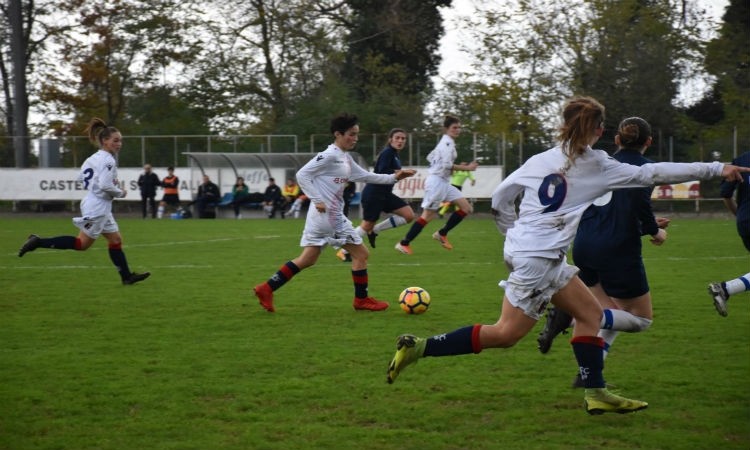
x,y
189,360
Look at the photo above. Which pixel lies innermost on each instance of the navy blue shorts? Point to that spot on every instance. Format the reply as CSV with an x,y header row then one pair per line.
x,y
626,281
743,229
373,203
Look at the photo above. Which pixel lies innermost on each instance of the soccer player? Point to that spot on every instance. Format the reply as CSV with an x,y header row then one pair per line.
x,y
458,179
323,179
720,292
99,177
438,188
377,198
607,249
557,186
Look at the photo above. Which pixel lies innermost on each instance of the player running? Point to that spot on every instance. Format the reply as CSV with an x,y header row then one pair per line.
x,y
377,198
557,186
99,177
323,179
607,249
438,189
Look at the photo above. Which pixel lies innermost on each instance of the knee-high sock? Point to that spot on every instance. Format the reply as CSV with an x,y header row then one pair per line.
x,y
361,282
590,357
118,259
609,337
739,284
452,222
458,342
284,274
414,231
619,320
391,222
61,243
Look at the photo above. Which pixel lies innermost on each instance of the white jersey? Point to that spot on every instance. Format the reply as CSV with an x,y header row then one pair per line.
x,y
99,177
442,157
323,180
556,193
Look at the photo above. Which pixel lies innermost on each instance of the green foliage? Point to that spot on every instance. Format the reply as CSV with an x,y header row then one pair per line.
x,y
189,360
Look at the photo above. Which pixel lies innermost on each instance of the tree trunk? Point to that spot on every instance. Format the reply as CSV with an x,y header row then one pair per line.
x,y
18,47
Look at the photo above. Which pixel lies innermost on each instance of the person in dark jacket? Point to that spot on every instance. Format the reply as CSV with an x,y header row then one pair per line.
x,y
147,183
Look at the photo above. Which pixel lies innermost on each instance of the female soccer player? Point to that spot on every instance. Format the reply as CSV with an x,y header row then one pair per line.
x,y
438,189
99,177
740,208
323,179
377,198
607,249
557,186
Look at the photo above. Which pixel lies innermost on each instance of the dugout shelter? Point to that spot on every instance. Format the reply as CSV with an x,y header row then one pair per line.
x,y
256,168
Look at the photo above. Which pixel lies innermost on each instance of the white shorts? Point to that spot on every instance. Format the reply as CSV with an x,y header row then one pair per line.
x,y
534,280
94,226
436,191
323,229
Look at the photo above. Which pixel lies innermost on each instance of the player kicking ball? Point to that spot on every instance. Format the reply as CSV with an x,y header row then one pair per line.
x,y
323,180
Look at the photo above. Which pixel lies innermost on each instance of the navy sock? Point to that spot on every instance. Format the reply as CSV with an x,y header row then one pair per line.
x,y
118,258
284,274
360,283
453,220
59,242
414,231
589,351
458,342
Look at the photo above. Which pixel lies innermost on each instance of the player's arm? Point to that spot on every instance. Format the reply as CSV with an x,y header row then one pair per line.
x,y
109,185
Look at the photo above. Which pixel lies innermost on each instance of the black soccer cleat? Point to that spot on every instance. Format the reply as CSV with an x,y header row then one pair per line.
x,y
557,322
136,277
371,237
30,245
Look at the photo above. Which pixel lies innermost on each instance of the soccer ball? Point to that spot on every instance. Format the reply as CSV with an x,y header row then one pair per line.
x,y
414,300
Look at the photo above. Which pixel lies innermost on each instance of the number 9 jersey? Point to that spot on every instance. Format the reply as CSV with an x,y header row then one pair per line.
x,y
557,191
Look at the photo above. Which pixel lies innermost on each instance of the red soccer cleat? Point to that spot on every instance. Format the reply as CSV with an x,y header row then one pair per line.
x,y
265,295
370,304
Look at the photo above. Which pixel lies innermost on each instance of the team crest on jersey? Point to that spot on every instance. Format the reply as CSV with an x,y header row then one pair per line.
x,y
320,156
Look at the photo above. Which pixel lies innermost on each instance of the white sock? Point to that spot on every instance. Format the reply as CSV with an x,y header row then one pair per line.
x,y
391,222
609,337
362,233
160,212
739,284
619,320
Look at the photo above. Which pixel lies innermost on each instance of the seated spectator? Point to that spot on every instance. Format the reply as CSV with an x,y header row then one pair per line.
x,y
298,204
240,195
272,199
289,193
208,193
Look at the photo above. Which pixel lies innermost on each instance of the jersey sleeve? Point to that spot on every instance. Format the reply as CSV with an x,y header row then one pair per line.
x,y
620,175
504,203
362,175
306,175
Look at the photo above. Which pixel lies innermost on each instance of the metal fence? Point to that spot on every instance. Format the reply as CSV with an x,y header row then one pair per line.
x,y
507,151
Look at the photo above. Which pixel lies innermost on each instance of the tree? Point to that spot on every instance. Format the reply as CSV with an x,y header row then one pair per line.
x,y
261,57
728,59
129,46
23,35
629,54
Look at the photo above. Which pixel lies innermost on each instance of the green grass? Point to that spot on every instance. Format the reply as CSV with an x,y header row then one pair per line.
x,y
189,360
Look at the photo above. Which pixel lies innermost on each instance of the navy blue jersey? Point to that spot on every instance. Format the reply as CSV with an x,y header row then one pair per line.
x,y
609,234
743,189
388,163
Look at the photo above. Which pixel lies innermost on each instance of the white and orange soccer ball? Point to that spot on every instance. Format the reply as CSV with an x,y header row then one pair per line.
x,y
414,300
